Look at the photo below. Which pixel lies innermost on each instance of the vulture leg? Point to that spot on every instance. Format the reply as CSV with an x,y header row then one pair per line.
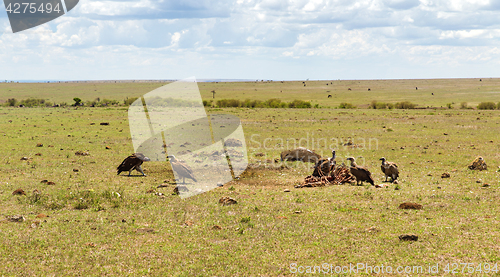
x,y
130,171
139,168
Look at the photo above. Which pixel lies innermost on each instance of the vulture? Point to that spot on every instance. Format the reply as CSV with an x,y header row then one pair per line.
x,y
300,154
390,169
324,166
362,174
182,169
132,162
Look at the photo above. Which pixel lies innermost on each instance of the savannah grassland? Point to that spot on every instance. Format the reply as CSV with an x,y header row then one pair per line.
x,y
100,224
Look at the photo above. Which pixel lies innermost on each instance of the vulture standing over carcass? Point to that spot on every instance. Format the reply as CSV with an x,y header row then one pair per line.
x,y
390,169
324,166
300,154
362,174
182,169
132,162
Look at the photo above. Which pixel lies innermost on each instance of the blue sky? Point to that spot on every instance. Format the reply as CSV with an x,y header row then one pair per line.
x,y
261,39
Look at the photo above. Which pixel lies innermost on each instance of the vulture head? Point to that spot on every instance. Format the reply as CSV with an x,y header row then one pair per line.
x,y
142,157
171,157
383,159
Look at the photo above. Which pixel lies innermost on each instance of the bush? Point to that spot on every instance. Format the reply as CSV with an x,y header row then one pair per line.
x,y
127,102
107,102
12,102
464,105
487,106
273,103
380,105
224,103
344,105
405,105
299,104
449,106
252,103
35,102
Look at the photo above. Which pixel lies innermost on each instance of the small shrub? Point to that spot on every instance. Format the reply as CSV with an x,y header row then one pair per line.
x,y
127,102
344,105
487,106
299,104
405,105
464,105
378,105
107,102
12,102
449,106
35,102
225,103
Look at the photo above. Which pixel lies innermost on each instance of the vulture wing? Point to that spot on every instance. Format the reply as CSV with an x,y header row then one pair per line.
x,y
362,174
183,170
322,168
129,163
383,170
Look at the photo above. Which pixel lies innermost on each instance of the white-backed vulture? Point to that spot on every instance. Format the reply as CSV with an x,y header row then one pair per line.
x,y
300,154
132,162
182,169
324,166
390,169
360,173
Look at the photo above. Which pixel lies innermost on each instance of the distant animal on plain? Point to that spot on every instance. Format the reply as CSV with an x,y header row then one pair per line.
x,y
132,162
329,96
182,169
360,173
369,89
300,154
416,88
349,89
389,169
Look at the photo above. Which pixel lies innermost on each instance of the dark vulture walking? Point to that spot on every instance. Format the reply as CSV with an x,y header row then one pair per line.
x,y
362,174
390,169
182,169
324,166
132,162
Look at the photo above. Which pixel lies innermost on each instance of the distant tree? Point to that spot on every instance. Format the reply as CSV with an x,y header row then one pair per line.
x,y
77,101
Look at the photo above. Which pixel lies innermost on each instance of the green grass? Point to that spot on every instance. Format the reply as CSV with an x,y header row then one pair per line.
x,y
98,222
435,93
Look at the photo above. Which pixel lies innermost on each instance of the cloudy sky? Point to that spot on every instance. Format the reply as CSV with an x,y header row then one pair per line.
x,y
258,39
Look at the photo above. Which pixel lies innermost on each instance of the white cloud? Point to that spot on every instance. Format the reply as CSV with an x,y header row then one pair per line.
x,y
254,34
